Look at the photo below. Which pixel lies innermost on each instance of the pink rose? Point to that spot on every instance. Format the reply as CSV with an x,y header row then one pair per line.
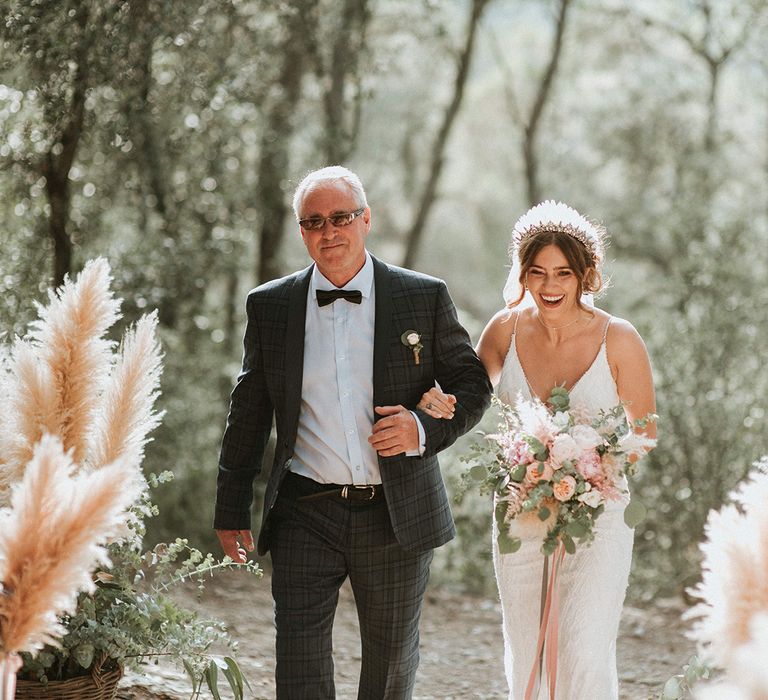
x,y
589,465
565,488
538,471
518,452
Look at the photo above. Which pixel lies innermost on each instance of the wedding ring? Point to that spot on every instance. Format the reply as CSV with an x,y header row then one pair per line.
x,y
428,407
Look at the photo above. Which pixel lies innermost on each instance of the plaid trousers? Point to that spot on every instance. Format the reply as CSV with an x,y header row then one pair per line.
x,y
315,546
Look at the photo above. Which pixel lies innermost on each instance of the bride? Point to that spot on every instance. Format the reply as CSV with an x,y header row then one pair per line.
x,y
550,335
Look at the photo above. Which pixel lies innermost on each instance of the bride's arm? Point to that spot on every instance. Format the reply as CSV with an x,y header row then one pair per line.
x,y
491,349
631,369
494,343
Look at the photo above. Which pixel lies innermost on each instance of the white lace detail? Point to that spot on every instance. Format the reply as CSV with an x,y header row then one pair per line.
x,y
593,581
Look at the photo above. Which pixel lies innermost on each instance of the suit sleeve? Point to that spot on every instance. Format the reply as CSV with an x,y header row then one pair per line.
x,y
248,427
459,371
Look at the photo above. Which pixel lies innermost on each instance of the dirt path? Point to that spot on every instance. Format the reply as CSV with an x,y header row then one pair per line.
x,y
461,646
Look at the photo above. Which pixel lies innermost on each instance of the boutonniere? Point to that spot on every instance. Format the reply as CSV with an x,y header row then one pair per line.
x,y
412,340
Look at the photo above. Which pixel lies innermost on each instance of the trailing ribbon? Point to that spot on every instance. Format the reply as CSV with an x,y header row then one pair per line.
x,y
8,666
546,646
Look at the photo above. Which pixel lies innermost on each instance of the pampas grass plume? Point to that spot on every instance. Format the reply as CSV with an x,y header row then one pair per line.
x,y
734,586
31,410
69,336
51,538
127,415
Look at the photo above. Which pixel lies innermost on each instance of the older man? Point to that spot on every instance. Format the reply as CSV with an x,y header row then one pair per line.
x,y
340,354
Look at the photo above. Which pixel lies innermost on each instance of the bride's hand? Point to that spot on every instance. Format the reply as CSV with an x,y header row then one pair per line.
x,y
437,404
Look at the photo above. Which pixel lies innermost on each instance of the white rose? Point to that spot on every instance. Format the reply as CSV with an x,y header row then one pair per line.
x,y
413,338
591,498
564,448
586,437
561,420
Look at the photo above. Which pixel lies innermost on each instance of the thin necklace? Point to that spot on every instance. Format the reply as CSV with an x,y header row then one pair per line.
x,y
557,328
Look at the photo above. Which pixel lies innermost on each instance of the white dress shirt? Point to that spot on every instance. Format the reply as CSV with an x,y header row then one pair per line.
x,y
336,416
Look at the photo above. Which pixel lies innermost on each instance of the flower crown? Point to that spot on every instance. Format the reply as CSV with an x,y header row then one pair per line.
x,y
556,216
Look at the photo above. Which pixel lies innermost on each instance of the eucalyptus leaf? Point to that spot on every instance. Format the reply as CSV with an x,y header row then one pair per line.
x,y
576,529
478,472
569,544
83,654
190,673
634,513
518,473
508,544
212,679
672,690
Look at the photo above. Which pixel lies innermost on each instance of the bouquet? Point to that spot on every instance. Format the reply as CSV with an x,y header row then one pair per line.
x,y
554,467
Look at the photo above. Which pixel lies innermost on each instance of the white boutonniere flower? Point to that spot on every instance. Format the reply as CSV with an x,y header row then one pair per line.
x,y
412,340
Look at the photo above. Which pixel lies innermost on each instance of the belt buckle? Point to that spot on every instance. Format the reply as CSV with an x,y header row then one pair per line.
x,y
345,491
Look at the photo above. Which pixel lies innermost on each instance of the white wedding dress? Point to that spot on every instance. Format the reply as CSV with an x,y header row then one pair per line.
x,y
593,581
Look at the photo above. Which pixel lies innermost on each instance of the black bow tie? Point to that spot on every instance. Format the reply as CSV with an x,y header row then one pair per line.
x,y
328,297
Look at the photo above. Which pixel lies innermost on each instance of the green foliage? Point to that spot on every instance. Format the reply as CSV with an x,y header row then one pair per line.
x,y
132,616
681,685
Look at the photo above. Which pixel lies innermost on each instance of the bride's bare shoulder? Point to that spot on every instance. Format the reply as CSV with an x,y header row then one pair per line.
x,y
495,341
500,328
623,340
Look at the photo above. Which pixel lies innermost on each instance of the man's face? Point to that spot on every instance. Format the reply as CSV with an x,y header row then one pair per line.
x,y
338,251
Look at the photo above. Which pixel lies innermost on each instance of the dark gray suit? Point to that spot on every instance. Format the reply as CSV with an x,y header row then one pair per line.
x,y
416,513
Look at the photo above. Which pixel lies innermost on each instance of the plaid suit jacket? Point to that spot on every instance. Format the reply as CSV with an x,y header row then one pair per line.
x,y
269,385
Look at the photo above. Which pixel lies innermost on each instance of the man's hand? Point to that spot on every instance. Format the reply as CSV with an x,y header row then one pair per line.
x,y
396,433
231,544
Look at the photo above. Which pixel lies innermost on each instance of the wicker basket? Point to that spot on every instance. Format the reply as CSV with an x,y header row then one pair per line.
x,y
100,685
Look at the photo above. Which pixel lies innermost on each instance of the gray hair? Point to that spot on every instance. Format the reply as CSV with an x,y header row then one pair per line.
x,y
333,173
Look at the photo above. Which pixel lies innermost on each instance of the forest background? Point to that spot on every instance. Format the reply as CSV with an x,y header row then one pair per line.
x,y
168,135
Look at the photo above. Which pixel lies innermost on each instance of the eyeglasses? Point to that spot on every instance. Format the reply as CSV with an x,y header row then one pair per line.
x,y
315,223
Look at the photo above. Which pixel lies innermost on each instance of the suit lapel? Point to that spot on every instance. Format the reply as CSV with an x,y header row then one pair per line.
x,y
382,328
294,348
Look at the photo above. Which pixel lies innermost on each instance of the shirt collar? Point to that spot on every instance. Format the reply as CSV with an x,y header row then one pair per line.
x,y
362,281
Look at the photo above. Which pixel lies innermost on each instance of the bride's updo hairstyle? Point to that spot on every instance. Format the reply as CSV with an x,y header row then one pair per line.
x,y
555,223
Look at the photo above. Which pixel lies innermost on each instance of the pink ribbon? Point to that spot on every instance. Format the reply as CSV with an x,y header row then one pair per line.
x,y
8,667
548,629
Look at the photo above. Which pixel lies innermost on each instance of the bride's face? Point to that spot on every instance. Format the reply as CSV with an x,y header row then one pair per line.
x,y
552,282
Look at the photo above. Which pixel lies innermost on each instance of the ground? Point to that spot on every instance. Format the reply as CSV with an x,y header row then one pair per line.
x,y
461,654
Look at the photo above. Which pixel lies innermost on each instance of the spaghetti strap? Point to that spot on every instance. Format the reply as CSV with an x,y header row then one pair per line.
x,y
605,332
514,328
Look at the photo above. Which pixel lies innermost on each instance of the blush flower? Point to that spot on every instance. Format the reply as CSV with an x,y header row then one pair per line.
x,y
565,488
539,471
518,452
589,465
564,448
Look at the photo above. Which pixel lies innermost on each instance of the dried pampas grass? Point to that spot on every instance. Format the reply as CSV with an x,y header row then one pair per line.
x,y
51,538
69,335
64,380
30,411
126,416
734,586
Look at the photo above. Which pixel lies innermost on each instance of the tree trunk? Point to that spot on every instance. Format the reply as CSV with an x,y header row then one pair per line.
x,y
429,194
274,162
339,138
57,189
534,120
57,162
